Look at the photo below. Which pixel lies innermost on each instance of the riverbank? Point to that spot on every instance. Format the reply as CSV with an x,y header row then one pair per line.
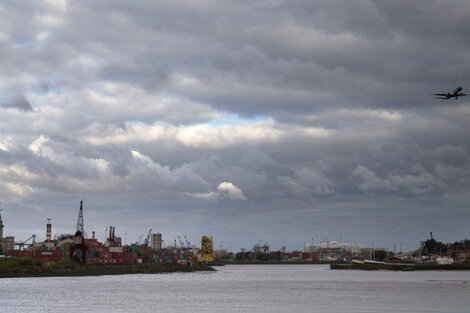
x,y
401,267
25,267
233,262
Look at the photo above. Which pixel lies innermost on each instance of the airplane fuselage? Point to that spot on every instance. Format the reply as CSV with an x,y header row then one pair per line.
x,y
456,93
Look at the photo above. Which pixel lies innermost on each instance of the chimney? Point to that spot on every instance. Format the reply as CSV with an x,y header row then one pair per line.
x,y
48,230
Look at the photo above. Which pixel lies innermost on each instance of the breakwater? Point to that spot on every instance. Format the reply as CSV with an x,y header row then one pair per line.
x,y
26,267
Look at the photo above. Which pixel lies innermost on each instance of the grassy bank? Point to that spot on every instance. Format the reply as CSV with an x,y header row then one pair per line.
x,y
26,267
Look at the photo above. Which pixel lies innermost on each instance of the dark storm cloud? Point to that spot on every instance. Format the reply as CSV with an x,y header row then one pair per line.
x,y
295,53
18,102
304,117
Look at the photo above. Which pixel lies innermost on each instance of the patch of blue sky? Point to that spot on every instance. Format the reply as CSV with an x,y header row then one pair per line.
x,y
235,119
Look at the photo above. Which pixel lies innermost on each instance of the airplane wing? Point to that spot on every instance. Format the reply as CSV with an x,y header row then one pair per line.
x,y
439,94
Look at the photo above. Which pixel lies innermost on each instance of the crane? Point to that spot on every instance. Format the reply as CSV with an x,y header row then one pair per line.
x,y
180,242
140,238
23,243
147,240
188,244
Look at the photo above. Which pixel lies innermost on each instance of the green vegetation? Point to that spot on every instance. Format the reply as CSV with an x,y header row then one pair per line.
x,y
380,255
432,246
12,267
250,256
27,267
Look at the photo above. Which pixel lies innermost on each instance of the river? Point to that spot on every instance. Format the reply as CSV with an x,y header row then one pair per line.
x,y
243,288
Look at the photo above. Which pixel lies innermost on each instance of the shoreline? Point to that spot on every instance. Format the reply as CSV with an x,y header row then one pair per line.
x,y
277,263
15,268
401,267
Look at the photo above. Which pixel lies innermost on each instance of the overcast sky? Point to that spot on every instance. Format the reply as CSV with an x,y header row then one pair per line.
x,y
262,120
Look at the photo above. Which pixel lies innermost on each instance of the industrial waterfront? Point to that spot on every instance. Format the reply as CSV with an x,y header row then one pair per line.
x,y
67,254
77,254
243,288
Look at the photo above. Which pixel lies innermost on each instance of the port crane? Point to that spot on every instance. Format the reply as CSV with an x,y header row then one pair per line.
x,y
25,242
147,240
188,244
180,242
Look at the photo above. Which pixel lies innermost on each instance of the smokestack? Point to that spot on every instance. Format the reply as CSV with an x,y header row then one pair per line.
x,y
48,230
93,234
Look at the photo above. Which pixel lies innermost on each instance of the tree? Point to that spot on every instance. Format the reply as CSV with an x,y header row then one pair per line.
x,y
380,255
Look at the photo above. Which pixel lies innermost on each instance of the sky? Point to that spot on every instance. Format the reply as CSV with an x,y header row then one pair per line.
x,y
252,121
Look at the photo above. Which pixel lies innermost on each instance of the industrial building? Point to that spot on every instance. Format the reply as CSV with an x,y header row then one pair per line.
x,y
156,242
6,243
91,251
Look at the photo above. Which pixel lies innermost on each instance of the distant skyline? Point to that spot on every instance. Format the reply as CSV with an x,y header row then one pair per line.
x,y
272,120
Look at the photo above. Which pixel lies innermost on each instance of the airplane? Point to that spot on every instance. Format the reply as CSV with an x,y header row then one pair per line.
x,y
456,93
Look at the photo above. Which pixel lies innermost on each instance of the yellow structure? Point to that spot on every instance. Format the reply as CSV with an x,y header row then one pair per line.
x,y
207,250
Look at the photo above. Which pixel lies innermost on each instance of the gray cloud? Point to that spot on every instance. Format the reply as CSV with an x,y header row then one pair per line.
x,y
416,184
317,114
19,102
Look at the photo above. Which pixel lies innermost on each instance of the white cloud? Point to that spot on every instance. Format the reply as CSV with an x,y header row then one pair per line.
x,y
225,190
205,135
225,135
37,145
314,132
384,115
356,115
210,195
17,189
231,191
6,142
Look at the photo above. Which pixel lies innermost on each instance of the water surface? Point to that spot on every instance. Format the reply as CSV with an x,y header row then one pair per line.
x,y
244,288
